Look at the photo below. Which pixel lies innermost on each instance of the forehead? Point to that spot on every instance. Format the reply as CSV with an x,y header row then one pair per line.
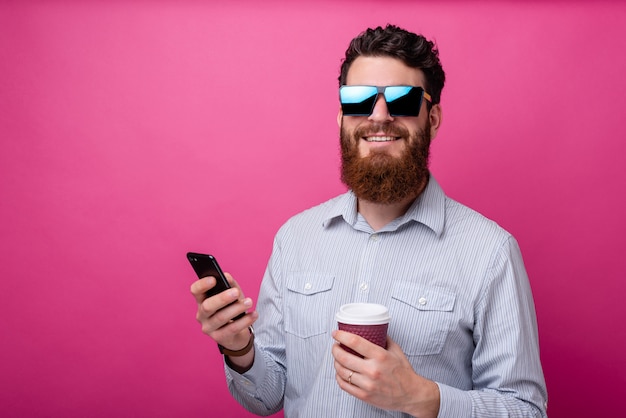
x,y
383,71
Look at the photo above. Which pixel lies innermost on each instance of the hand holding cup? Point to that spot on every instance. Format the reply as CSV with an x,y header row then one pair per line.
x,y
368,320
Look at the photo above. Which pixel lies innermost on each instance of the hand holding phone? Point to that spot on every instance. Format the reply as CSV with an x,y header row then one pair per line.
x,y
206,265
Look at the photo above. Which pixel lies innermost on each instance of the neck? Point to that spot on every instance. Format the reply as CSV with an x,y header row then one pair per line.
x,y
378,215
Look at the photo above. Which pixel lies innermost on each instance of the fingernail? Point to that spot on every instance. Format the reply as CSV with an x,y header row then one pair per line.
x,y
247,302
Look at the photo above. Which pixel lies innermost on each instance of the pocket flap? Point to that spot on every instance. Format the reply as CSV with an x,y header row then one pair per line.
x,y
423,298
310,283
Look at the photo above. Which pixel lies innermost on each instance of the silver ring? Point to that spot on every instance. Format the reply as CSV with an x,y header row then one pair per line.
x,y
350,377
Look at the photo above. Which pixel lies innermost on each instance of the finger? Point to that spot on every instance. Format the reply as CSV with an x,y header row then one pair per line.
x,y
394,351
231,328
350,386
341,370
223,319
232,311
346,360
213,304
357,343
235,333
392,346
231,281
344,373
201,286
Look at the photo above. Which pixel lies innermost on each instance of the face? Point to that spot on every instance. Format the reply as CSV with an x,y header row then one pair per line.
x,y
385,158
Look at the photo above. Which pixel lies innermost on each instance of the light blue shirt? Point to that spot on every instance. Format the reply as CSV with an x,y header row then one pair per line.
x,y
457,291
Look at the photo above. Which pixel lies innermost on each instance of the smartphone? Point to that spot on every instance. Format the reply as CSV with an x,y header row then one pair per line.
x,y
206,265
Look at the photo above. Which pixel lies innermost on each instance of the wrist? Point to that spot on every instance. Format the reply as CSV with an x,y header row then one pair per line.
x,y
425,399
241,352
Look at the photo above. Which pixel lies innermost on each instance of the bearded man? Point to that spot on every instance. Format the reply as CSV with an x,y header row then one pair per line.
x,y
462,341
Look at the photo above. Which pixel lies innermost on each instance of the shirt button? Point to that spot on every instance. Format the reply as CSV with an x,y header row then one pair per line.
x,y
363,286
308,286
374,237
422,301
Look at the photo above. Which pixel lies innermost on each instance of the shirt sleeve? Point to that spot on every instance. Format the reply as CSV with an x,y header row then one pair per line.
x,y
261,389
506,368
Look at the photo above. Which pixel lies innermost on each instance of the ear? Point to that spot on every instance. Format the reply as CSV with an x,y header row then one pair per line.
x,y
339,116
434,117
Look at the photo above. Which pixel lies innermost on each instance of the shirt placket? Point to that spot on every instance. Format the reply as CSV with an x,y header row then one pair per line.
x,y
367,268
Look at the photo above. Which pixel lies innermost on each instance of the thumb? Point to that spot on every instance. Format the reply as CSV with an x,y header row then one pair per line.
x,y
393,347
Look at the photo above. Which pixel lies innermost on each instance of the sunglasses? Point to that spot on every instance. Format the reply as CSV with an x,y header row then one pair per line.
x,y
401,100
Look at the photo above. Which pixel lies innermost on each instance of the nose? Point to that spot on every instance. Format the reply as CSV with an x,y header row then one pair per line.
x,y
380,112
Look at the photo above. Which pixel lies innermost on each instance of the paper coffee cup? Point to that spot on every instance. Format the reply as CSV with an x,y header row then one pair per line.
x,y
368,320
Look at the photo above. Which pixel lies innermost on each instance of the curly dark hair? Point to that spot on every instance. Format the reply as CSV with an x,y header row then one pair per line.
x,y
412,49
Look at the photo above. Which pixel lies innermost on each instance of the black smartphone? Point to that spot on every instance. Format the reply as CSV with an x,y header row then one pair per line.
x,y
206,265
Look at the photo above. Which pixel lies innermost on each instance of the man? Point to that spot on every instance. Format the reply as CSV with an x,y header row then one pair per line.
x,y
463,335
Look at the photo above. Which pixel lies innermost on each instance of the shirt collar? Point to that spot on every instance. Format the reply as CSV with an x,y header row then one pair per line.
x,y
428,209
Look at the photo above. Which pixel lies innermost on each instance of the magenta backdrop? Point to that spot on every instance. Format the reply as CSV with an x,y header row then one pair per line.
x,y
134,131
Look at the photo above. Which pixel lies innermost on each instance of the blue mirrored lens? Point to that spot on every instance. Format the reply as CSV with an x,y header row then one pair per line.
x,y
395,92
357,100
357,94
403,100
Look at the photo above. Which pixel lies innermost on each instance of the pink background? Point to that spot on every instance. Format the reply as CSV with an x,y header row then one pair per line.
x,y
134,131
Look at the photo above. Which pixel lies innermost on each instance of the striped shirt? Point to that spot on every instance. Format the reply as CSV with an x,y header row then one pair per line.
x,y
457,292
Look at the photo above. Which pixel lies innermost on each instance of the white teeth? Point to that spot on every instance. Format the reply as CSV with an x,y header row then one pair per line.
x,y
380,138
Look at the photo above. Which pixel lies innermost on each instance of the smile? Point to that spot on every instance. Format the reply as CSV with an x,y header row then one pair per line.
x,y
380,138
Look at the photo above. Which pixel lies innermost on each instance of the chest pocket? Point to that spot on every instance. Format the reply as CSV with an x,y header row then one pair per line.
x,y
421,317
308,303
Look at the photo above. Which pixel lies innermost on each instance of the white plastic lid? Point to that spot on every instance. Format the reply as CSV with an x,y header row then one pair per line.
x,y
363,314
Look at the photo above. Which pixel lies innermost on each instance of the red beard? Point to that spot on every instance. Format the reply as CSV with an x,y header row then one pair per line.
x,y
380,177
